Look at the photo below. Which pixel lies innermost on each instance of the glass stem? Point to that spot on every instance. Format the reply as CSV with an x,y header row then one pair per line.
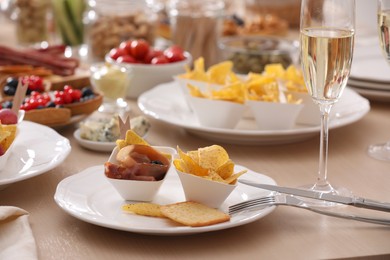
x,y
322,183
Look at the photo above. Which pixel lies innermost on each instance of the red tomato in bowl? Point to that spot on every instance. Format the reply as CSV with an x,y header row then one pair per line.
x,y
174,54
159,60
126,59
139,49
151,54
126,45
116,53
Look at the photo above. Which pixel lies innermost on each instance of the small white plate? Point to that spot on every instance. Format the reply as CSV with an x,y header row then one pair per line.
x,y
92,145
90,197
37,149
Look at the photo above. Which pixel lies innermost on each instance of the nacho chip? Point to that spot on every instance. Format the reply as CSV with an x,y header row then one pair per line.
x,y
214,176
189,165
195,91
235,92
218,73
233,178
226,169
212,157
194,155
211,163
131,138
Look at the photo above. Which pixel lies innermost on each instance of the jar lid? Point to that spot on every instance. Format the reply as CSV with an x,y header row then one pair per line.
x,y
121,6
196,8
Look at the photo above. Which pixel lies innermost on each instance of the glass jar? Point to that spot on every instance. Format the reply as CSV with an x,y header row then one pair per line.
x,y
32,20
109,22
196,27
289,10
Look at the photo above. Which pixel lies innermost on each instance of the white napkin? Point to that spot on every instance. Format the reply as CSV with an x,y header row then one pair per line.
x,y
16,238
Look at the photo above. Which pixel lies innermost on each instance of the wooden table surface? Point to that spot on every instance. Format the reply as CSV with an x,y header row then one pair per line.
x,y
286,233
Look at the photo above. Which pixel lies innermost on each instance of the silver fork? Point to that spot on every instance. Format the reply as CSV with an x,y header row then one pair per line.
x,y
288,200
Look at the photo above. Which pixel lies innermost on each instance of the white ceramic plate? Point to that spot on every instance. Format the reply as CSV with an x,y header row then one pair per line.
x,y
369,64
90,197
92,145
369,84
374,94
166,102
37,149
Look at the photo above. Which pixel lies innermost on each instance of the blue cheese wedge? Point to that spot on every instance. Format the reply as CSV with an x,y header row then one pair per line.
x,y
107,129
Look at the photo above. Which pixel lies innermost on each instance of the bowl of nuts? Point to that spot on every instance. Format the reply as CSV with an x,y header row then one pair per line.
x,y
149,66
253,53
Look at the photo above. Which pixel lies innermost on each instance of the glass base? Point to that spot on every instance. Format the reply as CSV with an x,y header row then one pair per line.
x,y
380,151
329,189
120,107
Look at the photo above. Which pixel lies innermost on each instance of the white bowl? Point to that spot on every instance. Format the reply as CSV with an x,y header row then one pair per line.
x,y
135,190
201,190
5,156
216,113
274,116
146,76
310,114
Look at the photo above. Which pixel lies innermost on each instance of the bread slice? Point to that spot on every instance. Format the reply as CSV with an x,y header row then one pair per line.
x,y
193,214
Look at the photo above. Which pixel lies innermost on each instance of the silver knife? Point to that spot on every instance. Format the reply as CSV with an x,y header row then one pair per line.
x,y
352,201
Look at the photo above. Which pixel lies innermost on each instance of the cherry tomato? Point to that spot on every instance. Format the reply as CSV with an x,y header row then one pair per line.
x,y
151,54
67,98
59,101
159,60
116,53
75,94
126,59
139,49
174,54
126,45
67,88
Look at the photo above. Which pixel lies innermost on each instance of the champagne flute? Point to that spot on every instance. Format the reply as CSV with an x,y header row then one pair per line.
x,y
326,40
382,151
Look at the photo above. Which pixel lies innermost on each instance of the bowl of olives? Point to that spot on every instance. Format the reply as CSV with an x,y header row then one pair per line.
x,y
252,53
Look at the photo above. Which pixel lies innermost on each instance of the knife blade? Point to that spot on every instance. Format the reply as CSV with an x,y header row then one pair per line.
x,y
351,201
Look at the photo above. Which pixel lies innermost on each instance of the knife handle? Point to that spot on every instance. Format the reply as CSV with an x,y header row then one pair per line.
x,y
372,204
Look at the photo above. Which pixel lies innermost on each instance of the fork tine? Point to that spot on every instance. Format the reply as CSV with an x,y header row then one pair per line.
x,y
263,201
250,202
257,200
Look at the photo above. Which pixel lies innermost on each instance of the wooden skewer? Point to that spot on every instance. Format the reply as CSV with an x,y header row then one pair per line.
x,y
19,96
124,126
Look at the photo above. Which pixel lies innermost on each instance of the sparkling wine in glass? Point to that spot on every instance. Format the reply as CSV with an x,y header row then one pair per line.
x,y
326,40
382,151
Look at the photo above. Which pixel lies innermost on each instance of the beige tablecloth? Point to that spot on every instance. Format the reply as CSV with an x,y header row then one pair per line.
x,y
16,238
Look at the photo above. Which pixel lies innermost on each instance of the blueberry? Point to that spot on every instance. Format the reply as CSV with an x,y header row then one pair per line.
x,y
40,107
7,104
51,104
13,82
9,90
86,91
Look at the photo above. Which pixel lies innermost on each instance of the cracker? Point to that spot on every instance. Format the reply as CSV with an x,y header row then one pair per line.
x,y
194,214
144,209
